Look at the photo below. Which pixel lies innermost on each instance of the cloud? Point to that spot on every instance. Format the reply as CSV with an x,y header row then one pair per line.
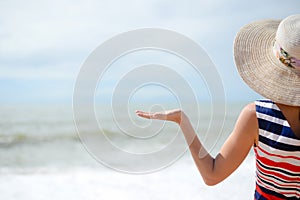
x,y
56,28
49,40
68,27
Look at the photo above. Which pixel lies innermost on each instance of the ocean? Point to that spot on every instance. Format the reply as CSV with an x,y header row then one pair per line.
x,y
43,157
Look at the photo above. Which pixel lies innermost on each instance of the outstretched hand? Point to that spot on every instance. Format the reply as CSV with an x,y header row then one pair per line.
x,y
169,115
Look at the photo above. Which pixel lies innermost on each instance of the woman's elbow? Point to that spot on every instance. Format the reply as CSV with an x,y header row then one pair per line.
x,y
211,181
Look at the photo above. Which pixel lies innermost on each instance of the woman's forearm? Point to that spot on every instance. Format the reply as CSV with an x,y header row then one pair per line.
x,y
203,160
233,152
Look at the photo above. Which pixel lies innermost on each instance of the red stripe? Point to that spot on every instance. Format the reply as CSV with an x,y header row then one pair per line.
x,y
282,176
278,155
276,174
283,165
280,185
287,194
267,196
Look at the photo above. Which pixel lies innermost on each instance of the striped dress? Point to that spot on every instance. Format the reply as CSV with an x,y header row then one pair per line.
x,y
277,155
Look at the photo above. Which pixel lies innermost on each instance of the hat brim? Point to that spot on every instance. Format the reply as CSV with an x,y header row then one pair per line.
x,y
259,67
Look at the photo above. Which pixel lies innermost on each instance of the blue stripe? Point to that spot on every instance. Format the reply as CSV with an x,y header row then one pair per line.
x,y
258,196
275,128
277,187
265,100
278,145
275,170
270,112
280,130
270,192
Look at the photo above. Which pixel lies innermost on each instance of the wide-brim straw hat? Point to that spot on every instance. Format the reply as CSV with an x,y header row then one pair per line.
x,y
267,56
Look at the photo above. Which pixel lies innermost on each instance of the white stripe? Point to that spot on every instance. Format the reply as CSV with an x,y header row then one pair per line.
x,y
271,150
279,138
267,105
276,190
272,119
278,151
276,182
291,161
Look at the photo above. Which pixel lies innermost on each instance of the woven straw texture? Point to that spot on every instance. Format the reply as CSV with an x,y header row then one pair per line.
x,y
260,68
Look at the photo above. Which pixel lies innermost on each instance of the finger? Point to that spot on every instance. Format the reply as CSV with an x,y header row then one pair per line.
x,y
150,115
144,114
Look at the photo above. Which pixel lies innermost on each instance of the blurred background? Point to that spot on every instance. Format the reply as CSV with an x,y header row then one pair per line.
x,y
43,45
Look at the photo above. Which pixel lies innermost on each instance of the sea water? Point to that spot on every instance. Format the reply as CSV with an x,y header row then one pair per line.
x,y
42,157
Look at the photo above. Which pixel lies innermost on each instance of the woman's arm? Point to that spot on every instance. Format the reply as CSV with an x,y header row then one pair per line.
x,y
233,152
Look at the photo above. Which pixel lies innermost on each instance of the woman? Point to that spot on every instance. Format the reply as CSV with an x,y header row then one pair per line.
x,y
267,56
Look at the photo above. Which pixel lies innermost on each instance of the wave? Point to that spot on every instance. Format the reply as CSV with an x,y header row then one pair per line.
x,y
9,140
21,138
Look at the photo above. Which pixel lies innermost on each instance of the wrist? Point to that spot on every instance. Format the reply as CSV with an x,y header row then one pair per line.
x,y
181,117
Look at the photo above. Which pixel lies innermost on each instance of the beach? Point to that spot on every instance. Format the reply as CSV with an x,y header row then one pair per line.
x,y
42,157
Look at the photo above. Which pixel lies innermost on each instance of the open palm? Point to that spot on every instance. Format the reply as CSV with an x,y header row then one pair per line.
x,y
169,115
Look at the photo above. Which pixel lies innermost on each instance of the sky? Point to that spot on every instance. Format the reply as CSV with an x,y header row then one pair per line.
x,y
43,44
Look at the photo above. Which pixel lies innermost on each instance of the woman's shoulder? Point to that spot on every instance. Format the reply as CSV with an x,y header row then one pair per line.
x,y
250,110
248,115
247,123
248,120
